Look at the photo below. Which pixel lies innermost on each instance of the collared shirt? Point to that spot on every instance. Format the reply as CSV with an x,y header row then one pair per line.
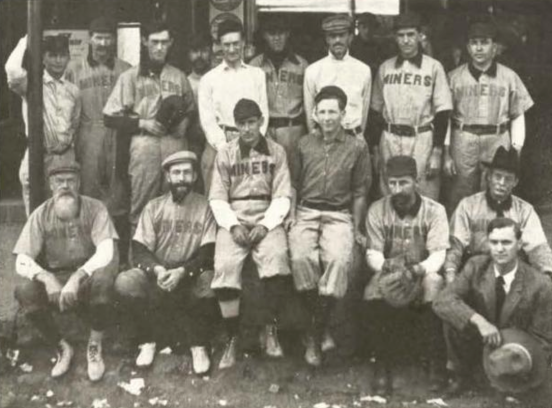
x,y
487,98
285,85
142,94
352,76
173,231
410,94
250,189
57,244
219,91
508,277
415,60
61,102
331,173
468,227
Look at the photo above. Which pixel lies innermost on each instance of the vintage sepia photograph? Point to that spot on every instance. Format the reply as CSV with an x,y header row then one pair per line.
x,y
276,203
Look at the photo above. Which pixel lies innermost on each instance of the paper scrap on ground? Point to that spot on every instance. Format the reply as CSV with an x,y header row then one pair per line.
x,y
438,402
158,401
166,350
49,393
26,368
65,404
134,386
223,403
100,403
321,405
374,398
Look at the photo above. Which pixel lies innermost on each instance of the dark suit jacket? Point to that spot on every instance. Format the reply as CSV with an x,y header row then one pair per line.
x,y
528,305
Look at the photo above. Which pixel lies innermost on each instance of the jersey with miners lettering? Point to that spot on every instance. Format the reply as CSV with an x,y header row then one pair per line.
x,y
173,231
496,97
142,94
468,225
249,180
407,94
57,244
419,233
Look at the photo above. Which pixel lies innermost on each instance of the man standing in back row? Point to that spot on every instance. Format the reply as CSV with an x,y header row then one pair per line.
x,y
340,69
411,103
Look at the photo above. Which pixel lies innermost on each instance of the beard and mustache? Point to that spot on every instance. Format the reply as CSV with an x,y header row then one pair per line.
x,y
200,65
179,191
401,202
66,205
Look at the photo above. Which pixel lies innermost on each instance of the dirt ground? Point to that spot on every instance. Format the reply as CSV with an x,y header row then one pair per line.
x,y
254,382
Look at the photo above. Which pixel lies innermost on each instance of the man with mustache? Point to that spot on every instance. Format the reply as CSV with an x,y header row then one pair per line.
x,y
61,102
285,72
407,233
132,109
410,108
468,223
250,197
68,260
490,102
96,146
331,175
340,69
219,91
169,286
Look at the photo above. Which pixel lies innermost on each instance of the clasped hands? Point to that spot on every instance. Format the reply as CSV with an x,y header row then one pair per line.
x,y
248,238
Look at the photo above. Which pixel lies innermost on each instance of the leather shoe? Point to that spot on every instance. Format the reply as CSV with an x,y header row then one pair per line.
x,y
272,345
457,385
313,354
229,356
64,357
200,360
96,366
383,380
437,377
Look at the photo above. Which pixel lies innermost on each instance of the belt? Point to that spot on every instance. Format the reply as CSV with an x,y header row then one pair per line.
x,y
355,131
480,130
285,122
408,131
229,128
324,206
262,197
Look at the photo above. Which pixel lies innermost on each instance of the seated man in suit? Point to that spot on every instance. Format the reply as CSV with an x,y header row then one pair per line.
x,y
493,292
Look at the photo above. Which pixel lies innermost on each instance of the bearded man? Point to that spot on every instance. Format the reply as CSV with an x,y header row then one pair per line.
x,y
173,250
68,258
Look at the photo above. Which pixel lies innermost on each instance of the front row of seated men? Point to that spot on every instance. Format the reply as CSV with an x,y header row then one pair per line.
x,y
68,257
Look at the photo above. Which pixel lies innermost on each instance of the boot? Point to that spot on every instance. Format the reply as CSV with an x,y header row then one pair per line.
x,y
229,356
383,379
272,348
64,357
313,354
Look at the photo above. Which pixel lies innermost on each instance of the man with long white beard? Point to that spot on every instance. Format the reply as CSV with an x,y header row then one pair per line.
x,y
68,258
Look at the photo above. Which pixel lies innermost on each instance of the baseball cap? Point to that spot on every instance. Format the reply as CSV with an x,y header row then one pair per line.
x,y
400,166
482,30
56,44
337,23
407,20
245,109
183,156
103,25
275,23
63,166
331,92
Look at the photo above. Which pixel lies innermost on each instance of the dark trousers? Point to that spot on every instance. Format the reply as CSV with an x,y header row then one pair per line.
x,y
188,312
94,304
464,349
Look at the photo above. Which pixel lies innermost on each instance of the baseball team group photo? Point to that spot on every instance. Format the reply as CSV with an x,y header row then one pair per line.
x,y
276,203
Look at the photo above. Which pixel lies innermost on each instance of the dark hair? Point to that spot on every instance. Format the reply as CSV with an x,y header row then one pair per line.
x,y
503,222
340,101
229,26
155,27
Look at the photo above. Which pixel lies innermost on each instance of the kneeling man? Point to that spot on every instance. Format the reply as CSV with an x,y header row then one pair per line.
x,y
173,250
68,258
492,293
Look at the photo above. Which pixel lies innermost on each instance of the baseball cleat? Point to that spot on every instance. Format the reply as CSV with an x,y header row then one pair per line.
x,y
200,360
273,348
147,354
64,357
229,356
96,366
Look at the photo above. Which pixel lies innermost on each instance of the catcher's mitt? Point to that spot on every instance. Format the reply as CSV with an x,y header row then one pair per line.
x,y
399,285
171,111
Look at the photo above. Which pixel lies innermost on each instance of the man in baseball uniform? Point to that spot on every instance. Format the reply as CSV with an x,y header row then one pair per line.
x,y
221,88
61,103
468,224
250,196
489,105
96,146
285,72
340,69
331,174
411,230
132,108
68,260
411,103
173,250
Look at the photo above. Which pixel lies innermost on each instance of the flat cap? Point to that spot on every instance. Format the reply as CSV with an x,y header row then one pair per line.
x,y
482,30
245,109
56,44
183,156
367,18
331,92
103,25
407,20
275,24
337,22
400,166
63,166
229,26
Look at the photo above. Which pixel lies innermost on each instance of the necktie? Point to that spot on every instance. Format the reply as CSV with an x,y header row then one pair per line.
x,y
500,296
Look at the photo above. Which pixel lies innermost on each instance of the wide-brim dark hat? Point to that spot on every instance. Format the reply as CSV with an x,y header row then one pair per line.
x,y
515,382
505,159
172,111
